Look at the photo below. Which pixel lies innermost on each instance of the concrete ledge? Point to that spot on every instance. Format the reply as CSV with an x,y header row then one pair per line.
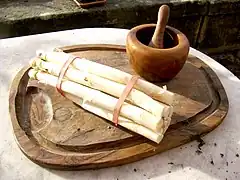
x,y
198,19
217,7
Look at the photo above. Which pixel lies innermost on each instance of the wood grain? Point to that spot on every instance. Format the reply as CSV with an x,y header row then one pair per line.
x,y
154,64
158,35
76,139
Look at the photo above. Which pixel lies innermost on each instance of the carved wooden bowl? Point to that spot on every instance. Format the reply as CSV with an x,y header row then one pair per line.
x,y
157,64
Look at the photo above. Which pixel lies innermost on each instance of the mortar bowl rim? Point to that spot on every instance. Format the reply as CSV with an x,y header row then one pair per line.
x,y
181,38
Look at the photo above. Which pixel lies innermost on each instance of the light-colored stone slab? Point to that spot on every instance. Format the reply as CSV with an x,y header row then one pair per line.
x,y
187,164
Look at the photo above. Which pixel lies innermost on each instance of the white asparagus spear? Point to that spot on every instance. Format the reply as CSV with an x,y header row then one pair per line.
x,y
113,88
101,100
124,122
110,73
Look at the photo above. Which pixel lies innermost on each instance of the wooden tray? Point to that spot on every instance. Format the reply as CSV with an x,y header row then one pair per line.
x,y
77,139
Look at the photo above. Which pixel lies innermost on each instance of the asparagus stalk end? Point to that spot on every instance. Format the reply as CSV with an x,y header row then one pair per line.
x,y
33,73
40,53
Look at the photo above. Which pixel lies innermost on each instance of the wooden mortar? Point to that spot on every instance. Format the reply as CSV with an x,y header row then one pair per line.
x,y
153,63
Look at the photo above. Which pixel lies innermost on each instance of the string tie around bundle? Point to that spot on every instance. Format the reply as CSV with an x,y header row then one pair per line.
x,y
63,72
122,98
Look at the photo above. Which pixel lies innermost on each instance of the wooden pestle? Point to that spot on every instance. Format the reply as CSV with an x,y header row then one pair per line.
x,y
158,36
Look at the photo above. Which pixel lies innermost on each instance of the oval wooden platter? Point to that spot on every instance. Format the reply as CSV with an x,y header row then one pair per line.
x,y
56,133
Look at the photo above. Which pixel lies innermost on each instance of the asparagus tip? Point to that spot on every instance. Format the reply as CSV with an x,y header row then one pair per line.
x,y
32,62
32,73
39,53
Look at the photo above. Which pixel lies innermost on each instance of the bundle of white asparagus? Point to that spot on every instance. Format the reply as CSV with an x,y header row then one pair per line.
x,y
147,109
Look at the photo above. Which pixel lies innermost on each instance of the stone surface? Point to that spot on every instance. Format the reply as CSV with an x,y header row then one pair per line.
x,y
224,7
231,60
217,159
18,18
198,19
189,26
45,9
220,32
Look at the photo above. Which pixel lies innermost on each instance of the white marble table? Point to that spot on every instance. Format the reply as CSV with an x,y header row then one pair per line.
x,y
16,52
